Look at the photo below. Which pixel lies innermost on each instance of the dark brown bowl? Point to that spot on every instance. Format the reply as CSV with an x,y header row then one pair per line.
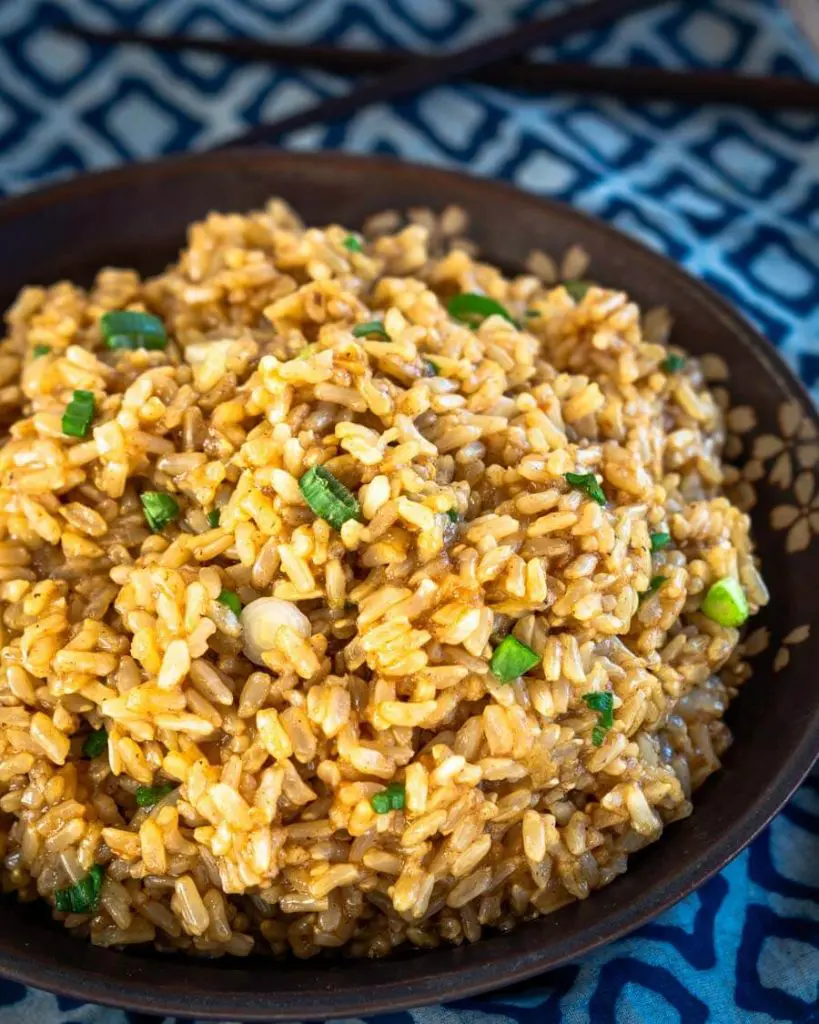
x,y
136,217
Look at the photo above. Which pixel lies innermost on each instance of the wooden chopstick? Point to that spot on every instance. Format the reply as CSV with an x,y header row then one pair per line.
x,y
697,87
410,79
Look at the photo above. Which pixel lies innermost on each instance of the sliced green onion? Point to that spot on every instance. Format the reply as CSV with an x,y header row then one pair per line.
x,y
40,350
431,369
659,541
230,600
598,735
353,244
396,791
603,701
654,585
577,289
328,497
159,508
82,897
472,309
390,799
371,327
603,704
726,603
147,796
673,363
79,414
96,743
126,328
213,517
589,483
512,659
453,515
380,802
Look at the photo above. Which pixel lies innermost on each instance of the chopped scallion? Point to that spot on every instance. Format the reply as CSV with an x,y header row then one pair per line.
x,y
603,704
659,541
40,350
431,369
125,328
511,659
673,363
147,796
82,897
598,735
390,799
726,603
589,483
213,517
230,600
371,327
352,244
328,497
96,743
453,515
159,508
577,289
79,414
472,309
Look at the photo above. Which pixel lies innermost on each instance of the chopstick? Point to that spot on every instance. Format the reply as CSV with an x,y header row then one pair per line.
x,y
409,79
760,92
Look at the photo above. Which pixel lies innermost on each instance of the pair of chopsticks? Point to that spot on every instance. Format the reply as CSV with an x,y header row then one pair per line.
x,y
492,61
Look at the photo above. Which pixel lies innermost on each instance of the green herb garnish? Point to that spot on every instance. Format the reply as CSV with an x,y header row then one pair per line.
x,y
726,603
96,743
603,704
40,350
431,369
82,897
353,244
589,483
673,363
453,515
369,328
159,508
79,414
328,497
147,796
577,289
598,735
390,799
213,517
128,329
511,659
472,309
659,541
230,600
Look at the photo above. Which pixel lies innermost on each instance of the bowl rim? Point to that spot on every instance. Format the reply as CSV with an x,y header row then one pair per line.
x,y
488,971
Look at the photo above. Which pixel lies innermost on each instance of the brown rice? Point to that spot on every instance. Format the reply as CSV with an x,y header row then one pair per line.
x,y
362,660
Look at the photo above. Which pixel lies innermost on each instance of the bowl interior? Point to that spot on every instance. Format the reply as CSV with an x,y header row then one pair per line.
x,y
137,218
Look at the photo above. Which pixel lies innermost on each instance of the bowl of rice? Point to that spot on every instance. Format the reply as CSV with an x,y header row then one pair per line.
x,y
380,553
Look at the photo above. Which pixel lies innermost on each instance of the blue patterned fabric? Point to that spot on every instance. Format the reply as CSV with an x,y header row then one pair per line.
x,y
731,194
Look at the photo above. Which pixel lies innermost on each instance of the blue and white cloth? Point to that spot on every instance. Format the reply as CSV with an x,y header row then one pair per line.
x,y
731,194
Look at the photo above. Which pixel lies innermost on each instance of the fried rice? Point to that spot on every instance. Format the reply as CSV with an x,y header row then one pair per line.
x,y
236,719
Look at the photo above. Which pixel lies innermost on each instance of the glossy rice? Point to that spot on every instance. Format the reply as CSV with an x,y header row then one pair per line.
x,y
361,657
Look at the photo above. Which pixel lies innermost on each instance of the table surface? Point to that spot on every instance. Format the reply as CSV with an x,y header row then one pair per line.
x,y
731,194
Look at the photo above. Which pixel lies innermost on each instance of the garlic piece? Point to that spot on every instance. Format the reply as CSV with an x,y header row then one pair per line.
x,y
262,619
